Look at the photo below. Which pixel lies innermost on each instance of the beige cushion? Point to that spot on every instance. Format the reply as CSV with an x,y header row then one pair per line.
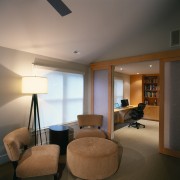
x,y
89,124
35,161
90,120
39,161
92,158
90,132
16,140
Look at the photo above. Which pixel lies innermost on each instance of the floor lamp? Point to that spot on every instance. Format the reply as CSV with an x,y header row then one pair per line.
x,y
35,85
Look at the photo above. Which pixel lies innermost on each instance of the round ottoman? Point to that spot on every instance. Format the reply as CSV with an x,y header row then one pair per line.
x,y
92,158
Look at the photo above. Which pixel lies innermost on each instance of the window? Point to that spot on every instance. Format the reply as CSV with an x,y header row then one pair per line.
x,y
118,91
64,100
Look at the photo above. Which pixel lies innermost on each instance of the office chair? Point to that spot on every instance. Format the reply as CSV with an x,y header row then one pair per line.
x,y
136,114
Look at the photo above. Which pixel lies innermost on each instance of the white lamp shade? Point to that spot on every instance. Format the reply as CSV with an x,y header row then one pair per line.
x,y
34,85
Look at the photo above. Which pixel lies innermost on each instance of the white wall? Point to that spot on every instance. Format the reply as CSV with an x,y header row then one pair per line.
x,y
14,106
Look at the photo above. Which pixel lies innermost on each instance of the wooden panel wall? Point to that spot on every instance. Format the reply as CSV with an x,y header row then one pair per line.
x,y
151,112
135,89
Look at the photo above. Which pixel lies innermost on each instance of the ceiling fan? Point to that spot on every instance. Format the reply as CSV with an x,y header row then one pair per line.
x,y
60,7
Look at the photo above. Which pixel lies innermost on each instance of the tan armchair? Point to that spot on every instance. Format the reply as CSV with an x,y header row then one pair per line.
x,y
90,126
36,161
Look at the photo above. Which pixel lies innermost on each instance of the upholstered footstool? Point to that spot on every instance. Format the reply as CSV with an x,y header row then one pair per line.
x,y
92,158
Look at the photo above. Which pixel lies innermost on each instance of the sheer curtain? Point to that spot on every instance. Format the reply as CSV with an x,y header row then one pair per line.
x,y
64,100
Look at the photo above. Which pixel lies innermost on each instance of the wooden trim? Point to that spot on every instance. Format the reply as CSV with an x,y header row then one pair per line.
x,y
92,91
110,105
161,113
147,57
171,152
170,59
100,67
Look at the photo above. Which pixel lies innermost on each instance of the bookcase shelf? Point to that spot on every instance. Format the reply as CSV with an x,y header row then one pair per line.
x,y
151,89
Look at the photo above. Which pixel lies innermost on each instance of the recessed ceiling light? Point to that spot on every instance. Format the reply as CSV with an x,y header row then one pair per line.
x,y
137,73
76,52
150,65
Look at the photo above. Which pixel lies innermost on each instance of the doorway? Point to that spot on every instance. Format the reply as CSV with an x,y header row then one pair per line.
x,y
163,57
139,85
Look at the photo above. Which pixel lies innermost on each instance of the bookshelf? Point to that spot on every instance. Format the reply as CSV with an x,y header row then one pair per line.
x,y
151,89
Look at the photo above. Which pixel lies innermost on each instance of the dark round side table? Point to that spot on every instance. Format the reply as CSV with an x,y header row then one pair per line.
x,y
59,134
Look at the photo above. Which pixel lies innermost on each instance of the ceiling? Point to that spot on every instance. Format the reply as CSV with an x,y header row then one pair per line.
x,y
92,29
146,67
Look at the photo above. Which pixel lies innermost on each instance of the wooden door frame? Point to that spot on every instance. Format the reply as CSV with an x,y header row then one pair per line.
x,y
162,57
162,148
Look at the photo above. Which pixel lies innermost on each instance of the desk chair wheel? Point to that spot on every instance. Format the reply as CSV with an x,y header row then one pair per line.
x,y
136,125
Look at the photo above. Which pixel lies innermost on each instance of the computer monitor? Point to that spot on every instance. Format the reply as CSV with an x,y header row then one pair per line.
x,y
124,102
116,105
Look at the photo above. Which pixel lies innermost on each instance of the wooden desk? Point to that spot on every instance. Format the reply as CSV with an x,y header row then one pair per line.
x,y
151,112
121,114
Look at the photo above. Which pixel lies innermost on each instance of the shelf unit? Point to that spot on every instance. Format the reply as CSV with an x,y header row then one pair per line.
x,y
151,89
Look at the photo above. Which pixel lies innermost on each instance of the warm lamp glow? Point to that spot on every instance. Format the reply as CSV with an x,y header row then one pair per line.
x,y
34,85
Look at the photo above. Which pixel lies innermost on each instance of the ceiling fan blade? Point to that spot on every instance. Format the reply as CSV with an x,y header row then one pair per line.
x,y
60,7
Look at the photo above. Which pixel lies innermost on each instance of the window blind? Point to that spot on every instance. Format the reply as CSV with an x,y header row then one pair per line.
x,y
118,91
64,100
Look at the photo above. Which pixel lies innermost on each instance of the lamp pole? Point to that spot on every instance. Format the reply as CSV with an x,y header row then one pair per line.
x,y
35,85
34,103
